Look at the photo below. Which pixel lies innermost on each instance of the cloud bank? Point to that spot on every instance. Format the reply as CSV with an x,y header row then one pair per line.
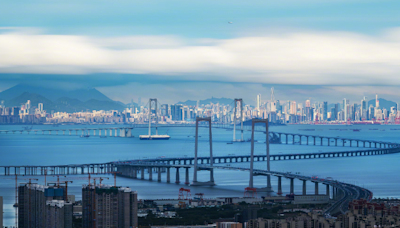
x,y
308,57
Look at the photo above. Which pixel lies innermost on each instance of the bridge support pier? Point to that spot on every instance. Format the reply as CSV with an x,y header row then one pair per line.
x,y
327,191
307,139
168,175
150,173
279,185
159,174
304,188
316,188
142,174
187,176
291,186
177,176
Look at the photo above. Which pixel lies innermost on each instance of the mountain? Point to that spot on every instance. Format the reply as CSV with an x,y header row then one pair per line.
x,y
53,93
222,101
34,98
64,104
383,103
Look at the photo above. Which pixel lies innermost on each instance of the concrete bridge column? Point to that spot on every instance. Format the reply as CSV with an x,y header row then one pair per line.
x,y
293,138
350,142
116,132
307,139
327,191
287,136
291,185
316,188
177,176
187,176
168,175
110,131
343,141
333,193
63,132
300,139
159,174
135,173
99,132
314,140
304,188
329,141
94,132
279,185
150,173
321,140
142,174
357,142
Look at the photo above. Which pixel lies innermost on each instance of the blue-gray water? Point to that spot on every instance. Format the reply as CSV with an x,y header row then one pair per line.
x,y
377,173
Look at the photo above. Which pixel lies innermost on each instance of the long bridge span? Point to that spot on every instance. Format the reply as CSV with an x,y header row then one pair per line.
x,y
284,138
341,193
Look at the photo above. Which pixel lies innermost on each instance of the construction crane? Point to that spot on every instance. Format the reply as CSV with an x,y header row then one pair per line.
x,y
58,179
45,175
181,195
249,190
66,189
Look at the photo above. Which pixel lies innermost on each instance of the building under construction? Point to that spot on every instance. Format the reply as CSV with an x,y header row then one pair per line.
x,y
39,206
109,206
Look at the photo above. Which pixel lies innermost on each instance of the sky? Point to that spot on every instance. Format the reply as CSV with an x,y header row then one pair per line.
x,y
324,50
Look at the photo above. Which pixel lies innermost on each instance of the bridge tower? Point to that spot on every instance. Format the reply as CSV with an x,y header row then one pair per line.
x,y
196,145
154,101
240,101
268,188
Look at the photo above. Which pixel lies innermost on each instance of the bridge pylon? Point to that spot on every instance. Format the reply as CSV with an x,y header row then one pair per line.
x,y
269,187
240,101
196,145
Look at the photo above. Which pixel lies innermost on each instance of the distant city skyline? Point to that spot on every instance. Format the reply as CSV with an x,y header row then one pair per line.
x,y
323,49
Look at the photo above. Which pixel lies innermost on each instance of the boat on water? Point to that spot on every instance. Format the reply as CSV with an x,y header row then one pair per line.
x,y
154,137
356,129
249,140
85,134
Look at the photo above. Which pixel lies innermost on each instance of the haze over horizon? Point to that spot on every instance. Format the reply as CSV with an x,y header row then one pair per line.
x,y
183,50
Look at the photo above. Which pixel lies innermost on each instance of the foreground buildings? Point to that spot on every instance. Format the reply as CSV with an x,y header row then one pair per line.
x,y
109,206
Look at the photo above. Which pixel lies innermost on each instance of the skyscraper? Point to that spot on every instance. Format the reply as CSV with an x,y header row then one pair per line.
x,y
258,102
325,110
308,103
346,108
40,107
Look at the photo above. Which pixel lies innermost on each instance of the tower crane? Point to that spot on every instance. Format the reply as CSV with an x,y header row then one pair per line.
x,y
45,175
58,179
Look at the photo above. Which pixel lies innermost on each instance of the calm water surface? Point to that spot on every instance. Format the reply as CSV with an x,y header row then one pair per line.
x,y
377,173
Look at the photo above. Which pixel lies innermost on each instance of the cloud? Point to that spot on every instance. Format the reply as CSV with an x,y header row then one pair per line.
x,y
304,58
